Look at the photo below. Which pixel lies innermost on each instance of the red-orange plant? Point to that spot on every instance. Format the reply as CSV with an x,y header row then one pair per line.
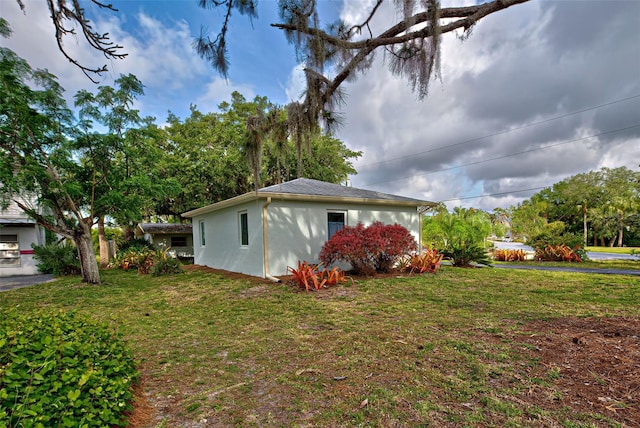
x,y
557,253
309,276
306,276
429,261
506,255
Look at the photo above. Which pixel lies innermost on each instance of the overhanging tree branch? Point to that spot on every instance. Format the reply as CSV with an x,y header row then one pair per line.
x,y
65,15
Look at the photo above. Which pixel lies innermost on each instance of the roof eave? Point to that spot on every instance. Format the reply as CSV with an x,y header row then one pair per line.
x,y
221,205
305,198
347,199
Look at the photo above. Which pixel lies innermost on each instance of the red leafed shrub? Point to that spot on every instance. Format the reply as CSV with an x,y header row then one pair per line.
x,y
368,250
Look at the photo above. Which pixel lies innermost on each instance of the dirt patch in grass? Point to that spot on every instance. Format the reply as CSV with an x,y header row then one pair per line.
x,y
228,274
588,365
582,366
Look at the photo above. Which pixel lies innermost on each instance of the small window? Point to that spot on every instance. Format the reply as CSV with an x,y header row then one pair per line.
x,y
202,239
335,222
178,241
244,228
9,251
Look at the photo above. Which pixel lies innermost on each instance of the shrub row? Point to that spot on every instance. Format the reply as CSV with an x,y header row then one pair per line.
x,y
509,255
61,369
147,261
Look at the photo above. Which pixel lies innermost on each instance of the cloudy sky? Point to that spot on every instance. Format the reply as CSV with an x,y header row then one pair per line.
x,y
538,93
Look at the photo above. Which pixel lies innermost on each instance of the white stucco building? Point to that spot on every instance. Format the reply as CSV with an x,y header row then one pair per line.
x,y
17,233
262,233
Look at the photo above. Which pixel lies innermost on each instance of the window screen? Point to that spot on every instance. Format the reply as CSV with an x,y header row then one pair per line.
x,y
178,241
335,221
202,238
244,228
9,251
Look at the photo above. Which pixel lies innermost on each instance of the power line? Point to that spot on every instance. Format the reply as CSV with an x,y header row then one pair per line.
x,y
495,194
505,156
500,132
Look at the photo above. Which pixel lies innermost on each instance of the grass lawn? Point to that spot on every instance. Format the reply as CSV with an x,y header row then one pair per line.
x,y
457,348
615,250
590,264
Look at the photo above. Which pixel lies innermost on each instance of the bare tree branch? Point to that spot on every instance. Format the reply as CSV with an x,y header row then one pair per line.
x,y
65,17
413,44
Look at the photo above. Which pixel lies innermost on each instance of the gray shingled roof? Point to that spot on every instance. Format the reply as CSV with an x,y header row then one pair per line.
x,y
306,186
165,228
307,189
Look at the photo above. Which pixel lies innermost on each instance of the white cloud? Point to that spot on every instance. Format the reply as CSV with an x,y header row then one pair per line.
x,y
218,90
161,56
296,84
513,71
158,53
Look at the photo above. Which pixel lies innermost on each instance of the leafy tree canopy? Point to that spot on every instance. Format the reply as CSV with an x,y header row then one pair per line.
x,y
604,205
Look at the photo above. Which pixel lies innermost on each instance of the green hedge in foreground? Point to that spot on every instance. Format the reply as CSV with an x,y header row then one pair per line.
x,y
62,369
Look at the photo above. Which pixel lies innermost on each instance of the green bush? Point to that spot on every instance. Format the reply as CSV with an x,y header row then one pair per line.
x,y
553,235
464,255
57,259
459,235
59,369
135,244
166,266
147,261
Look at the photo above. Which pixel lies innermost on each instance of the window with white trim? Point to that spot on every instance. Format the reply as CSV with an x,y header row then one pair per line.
x,y
243,220
9,251
335,222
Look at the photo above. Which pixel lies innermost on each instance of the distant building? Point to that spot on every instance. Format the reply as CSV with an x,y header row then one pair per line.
x,y
177,237
18,233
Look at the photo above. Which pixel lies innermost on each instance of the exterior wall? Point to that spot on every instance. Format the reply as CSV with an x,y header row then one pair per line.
x,y
298,230
27,235
222,249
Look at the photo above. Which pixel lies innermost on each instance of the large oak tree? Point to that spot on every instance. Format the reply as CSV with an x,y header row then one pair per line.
x,y
36,155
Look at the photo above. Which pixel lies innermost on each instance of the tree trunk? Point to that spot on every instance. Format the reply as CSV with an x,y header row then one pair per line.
x,y
88,262
104,246
299,152
129,233
584,224
620,229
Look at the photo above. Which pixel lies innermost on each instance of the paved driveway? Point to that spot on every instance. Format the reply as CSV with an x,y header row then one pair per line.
x,y
12,282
